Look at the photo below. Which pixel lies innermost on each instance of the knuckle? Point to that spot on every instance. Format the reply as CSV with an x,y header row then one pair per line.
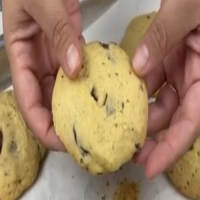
x,y
159,36
61,33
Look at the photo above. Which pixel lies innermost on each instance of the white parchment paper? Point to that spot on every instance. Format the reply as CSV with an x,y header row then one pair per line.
x,y
60,177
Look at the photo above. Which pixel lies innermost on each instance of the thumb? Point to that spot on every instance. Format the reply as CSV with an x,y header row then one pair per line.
x,y
173,22
56,22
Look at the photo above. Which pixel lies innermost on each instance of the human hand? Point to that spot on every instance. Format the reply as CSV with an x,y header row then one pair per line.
x,y
40,36
170,52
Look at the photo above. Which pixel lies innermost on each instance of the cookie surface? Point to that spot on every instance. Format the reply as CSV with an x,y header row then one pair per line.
x,y
20,153
185,174
135,31
101,117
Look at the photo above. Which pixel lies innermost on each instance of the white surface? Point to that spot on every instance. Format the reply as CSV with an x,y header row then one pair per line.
x,y
61,178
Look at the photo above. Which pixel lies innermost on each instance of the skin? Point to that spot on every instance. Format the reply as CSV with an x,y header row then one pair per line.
x,y
40,36
170,51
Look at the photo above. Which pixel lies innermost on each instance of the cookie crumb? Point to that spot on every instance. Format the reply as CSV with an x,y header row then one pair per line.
x,y
126,190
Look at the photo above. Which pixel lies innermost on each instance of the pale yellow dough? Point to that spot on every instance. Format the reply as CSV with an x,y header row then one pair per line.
x,y
20,152
101,117
185,174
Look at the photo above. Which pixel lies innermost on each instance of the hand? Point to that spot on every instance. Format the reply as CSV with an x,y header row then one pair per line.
x,y
170,52
40,36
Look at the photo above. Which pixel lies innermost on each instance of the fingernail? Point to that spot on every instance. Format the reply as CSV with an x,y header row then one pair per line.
x,y
141,58
73,58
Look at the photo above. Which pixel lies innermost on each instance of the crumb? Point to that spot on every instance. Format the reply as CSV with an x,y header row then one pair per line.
x,y
73,177
103,197
107,185
126,191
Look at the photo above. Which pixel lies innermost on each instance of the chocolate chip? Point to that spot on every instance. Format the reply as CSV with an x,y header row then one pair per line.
x,y
122,106
148,17
105,99
13,147
84,152
6,174
75,135
191,148
138,147
109,57
99,173
94,94
1,140
106,46
62,76
141,87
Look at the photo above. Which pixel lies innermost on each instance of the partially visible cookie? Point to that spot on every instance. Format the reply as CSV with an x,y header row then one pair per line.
x,y
101,117
185,174
20,153
8,99
135,30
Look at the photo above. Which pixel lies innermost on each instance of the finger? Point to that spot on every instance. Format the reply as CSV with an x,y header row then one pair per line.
x,y
193,41
32,100
38,117
155,80
174,142
162,110
142,156
54,20
162,3
166,31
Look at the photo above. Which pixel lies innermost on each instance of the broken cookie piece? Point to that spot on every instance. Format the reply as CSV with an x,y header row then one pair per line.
x,y
94,115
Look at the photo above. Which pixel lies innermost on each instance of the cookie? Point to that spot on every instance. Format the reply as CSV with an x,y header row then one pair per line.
x,y
101,117
135,31
20,153
8,99
185,174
